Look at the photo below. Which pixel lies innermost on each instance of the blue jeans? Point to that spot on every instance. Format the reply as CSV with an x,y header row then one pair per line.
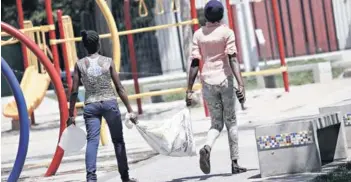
x,y
93,113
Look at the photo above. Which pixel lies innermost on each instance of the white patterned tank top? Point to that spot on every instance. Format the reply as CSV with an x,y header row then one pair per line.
x,y
96,78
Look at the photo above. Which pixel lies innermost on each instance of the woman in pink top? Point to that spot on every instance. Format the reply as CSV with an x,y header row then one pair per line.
x,y
215,45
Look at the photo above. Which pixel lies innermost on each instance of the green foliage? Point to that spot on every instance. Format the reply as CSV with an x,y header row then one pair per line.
x,y
341,174
9,14
34,10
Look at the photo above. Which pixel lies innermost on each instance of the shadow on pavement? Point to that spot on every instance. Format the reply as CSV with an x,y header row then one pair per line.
x,y
206,177
290,178
201,178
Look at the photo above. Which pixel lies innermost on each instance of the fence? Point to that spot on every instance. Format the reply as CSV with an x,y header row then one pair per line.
x,y
309,26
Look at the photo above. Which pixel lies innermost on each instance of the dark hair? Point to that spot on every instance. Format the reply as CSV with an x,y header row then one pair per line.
x,y
214,11
90,40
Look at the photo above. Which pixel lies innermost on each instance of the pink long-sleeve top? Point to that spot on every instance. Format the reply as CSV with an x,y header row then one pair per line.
x,y
212,44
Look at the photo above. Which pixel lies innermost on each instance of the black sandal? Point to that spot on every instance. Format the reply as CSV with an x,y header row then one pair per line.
x,y
205,164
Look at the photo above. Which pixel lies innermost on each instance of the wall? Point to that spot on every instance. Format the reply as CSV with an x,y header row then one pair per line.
x,y
170,48
307,25
342,16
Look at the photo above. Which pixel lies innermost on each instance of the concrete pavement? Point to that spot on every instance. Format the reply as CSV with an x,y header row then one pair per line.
x,y
177,169
264,106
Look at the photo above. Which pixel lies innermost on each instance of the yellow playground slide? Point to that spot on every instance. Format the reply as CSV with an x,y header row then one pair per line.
x,y
34,86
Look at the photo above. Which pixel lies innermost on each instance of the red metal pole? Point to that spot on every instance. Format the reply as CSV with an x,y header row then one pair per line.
x,y
232,23
132,56
23,47
280,42
230,15
56,80
196,27
21,25
231,20
64,51
52,35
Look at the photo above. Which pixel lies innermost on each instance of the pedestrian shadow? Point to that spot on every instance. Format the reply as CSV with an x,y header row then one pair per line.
x,y
206,177
285,178
201,177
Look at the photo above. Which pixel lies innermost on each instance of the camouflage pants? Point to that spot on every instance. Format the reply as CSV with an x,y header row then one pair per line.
x,y
221,102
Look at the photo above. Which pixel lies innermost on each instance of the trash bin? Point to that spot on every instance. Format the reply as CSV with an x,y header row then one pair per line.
x,y
270,82
157,98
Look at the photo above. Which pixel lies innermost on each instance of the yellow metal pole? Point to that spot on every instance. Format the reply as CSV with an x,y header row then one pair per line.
x,y
114,32
197,86
103,135
115,50
266,72
44,28
10,41
127,32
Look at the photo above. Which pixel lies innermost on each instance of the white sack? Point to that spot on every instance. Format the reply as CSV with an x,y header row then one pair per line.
x,y
171,137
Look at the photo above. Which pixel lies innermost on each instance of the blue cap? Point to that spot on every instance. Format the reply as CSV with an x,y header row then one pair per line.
x,y
214,10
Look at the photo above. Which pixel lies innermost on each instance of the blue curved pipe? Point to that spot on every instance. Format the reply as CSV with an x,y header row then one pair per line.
x,y
24,121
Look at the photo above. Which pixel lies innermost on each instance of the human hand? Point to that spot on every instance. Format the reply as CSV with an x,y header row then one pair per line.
x,y
133,117
189,98
70,120
240,93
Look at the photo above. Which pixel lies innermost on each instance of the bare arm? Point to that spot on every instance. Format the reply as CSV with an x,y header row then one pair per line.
x,y
194,69
233,61
74,91
195,62
119,87
235,66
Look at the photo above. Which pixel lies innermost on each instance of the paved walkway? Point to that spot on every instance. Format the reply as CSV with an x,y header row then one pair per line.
x,y
264,106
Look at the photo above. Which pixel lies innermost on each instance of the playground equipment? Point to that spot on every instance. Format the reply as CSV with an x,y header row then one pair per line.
x,y
55,77
51,69
142,6
33,93
67,40
159,7
194,22
23,117
175,5
143,12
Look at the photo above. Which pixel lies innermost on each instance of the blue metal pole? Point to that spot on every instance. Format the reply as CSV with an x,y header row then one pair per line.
x,y
24,121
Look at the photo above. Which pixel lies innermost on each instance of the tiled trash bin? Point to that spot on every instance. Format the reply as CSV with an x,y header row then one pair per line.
x,y
300,144
344,108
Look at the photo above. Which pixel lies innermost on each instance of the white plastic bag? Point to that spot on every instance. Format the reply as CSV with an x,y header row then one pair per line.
x,y
172,137
73,139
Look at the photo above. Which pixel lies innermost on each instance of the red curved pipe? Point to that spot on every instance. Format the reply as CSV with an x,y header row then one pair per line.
x,y
56,79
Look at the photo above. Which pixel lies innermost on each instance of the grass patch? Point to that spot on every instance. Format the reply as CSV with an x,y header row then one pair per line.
x,y
174,97
296,63
298,78
340,174
250,82
337,72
